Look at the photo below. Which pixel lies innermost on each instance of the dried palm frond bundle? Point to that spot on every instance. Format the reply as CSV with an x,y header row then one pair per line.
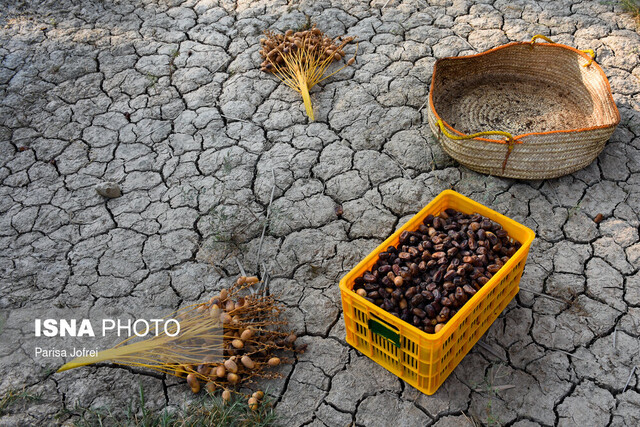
x,y
300,59
171,351
231,340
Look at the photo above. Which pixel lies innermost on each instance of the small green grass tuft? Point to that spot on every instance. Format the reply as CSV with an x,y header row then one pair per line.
x,y
212,410
14,396
152,80
488,387
574,210
208,410
632,7
305,26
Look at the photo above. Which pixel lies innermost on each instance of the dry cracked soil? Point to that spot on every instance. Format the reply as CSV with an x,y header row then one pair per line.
x,y
164,97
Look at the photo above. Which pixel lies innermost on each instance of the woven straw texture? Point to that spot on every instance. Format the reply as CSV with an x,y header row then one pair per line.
x,y
559,111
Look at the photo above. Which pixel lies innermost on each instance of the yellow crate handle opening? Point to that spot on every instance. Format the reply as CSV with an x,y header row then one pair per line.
x,y
589,52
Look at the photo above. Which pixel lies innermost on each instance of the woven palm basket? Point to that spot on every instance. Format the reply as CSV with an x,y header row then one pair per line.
x,y
523,110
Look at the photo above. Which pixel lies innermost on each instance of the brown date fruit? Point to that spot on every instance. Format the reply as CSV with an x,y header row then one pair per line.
x,y
436,268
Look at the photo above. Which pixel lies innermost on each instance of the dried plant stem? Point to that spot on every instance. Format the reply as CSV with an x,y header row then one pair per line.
x,y
571,354
306,98
540,294
496,388
240,267
491,350
266,220
629,380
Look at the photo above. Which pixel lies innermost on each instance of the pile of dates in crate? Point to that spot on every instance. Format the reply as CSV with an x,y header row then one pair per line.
x,y
436,269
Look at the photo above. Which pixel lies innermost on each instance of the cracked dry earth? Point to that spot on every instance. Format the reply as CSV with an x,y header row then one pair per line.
x,y
165,98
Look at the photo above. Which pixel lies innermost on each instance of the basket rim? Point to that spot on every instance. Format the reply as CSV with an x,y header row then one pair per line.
x,y
464,311
517,138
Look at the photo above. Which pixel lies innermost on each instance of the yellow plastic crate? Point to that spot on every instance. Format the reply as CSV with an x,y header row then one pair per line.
x,y
426,360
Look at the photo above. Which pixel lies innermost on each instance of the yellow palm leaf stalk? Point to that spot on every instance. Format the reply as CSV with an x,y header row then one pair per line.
x,y
200,339
300,60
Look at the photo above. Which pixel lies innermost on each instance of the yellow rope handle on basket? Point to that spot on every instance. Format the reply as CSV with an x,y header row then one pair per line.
x,y
510,139
590,52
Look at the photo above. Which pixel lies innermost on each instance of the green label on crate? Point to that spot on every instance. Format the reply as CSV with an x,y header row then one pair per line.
x,y
383,330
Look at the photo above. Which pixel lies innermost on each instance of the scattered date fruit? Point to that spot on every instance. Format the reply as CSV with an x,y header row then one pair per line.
x,y
436,269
